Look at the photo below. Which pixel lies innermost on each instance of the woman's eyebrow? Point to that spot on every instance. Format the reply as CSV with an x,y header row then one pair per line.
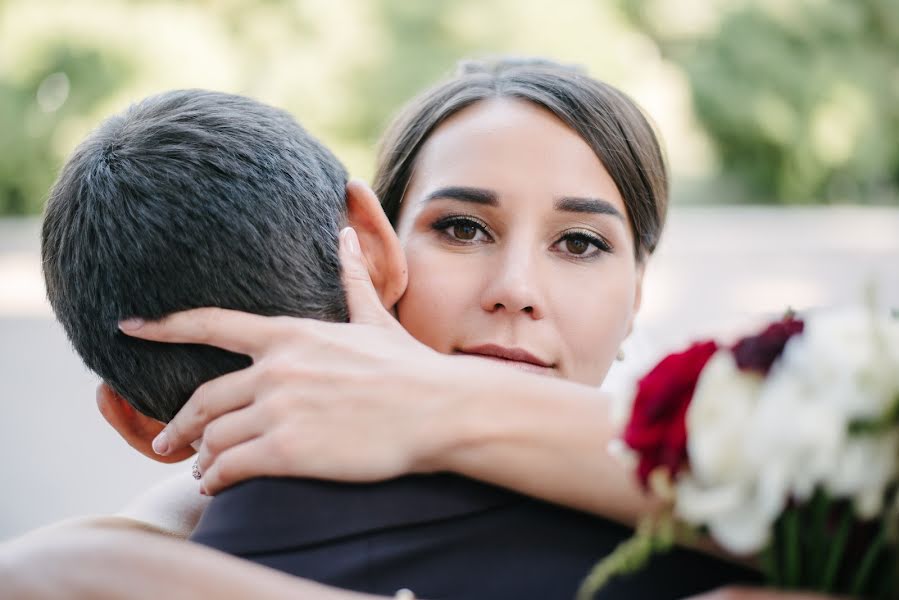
x,y
465,194
596,206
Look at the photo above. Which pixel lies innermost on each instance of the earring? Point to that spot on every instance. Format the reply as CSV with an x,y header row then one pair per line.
x,y
620,356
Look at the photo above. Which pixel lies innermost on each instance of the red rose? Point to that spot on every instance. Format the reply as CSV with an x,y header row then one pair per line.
x,y
758,352
657,430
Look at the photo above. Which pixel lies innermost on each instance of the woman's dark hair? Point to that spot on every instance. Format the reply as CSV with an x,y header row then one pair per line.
x,y
608,120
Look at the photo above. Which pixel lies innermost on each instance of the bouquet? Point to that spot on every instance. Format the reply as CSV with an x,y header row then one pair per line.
x,y
782,448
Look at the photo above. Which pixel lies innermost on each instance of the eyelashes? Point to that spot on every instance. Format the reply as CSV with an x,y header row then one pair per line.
x,y
581,236
460,223
466,230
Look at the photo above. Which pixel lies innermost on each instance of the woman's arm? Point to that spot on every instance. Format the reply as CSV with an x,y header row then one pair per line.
x,y
365,401
97,562
173,506
544,437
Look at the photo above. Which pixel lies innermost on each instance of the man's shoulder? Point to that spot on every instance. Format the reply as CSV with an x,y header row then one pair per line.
x,y
270,513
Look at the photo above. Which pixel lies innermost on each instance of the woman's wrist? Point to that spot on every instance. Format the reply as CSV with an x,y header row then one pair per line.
x,y
540,436
481,404
445,397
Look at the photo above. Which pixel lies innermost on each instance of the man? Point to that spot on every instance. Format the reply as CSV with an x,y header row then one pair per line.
x,y
196,198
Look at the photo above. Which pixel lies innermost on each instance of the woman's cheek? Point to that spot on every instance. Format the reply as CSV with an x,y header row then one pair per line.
x,y
430,309
599,325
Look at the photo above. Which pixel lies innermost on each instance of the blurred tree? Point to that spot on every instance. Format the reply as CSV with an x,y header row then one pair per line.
x,y
418,48
800,98
67,81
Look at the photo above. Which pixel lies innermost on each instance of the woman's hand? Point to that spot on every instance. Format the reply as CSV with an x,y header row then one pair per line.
x,y
364,401
337,401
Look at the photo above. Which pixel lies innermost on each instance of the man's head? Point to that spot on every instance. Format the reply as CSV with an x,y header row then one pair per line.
x,y
188,199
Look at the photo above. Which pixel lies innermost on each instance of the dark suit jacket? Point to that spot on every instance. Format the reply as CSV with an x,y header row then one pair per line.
x,y
442,536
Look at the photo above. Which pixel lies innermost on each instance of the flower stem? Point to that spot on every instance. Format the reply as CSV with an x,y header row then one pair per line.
x,y
821,509
628,556
651,537
836,552
770,564
867,564
791,551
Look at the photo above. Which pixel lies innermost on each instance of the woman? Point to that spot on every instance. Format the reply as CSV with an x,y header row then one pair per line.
x,y
606,223
527,198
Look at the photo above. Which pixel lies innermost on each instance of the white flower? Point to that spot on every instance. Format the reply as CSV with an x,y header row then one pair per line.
x,y
721,490
754,443
722,404
844,367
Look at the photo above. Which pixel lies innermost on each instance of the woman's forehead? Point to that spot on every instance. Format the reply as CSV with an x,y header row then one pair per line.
x,y
513,148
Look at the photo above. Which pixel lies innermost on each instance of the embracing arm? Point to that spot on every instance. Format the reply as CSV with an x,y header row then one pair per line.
x,y
544,437
365,401
172,507
97,562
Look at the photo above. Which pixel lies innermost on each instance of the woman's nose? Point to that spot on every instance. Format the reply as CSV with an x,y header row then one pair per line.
x,y
514,288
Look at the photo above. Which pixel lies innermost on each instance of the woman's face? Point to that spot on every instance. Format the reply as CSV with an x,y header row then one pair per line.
x,y
518,244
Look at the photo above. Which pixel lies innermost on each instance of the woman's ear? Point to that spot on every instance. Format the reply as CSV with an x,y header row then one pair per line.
x,y
136,428
381,249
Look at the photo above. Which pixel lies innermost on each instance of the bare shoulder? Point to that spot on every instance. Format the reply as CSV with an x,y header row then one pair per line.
x,y
173,506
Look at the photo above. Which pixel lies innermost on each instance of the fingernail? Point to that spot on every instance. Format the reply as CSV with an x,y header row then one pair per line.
x,y
131,324
161,444
203,491
351,241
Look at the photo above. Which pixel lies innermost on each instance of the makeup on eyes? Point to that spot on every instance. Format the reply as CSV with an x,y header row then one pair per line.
x,y
442,224
475,226
601,245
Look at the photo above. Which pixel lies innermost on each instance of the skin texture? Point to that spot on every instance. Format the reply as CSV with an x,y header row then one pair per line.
x,y
106,559
520,274
114,558
528,279
530,276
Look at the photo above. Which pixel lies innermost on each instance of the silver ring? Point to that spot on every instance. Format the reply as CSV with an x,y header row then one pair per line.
x,y
195,471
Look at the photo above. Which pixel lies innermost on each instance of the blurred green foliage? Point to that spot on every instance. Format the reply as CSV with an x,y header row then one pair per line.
x,y
27,159
800,98
787,104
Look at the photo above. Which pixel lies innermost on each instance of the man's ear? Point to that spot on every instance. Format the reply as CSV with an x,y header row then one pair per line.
x,y
381,249
136,428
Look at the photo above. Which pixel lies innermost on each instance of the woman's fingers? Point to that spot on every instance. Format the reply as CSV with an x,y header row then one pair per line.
x,y
210,401
240,462
227,431
362,297
240,332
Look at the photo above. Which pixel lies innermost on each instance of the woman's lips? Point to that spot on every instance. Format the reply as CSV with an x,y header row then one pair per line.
x,y
514,357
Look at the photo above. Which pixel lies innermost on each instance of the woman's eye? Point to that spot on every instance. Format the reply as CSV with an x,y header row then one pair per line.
x,y
465,231
577,245
582,245
462,230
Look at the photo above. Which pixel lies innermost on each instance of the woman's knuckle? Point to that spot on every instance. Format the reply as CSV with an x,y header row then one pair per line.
x,y
212,439
279,406
224,469
201,408
283,445
278,368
